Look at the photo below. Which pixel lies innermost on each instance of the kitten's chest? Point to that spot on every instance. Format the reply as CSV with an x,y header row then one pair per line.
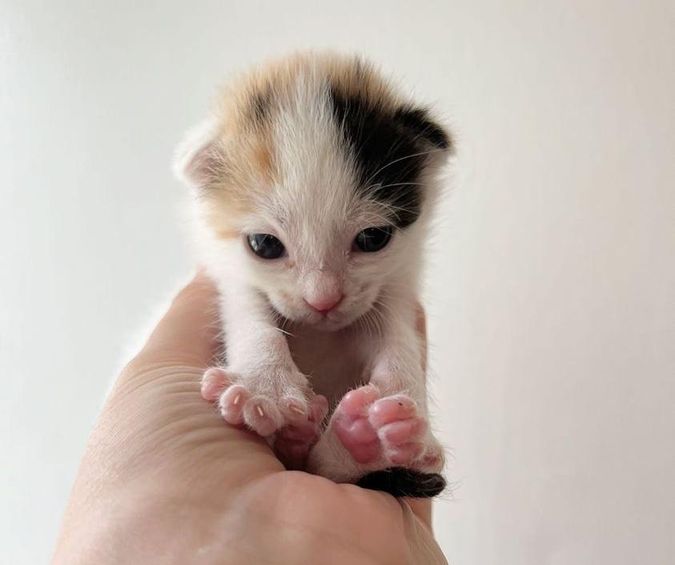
x,y
334,361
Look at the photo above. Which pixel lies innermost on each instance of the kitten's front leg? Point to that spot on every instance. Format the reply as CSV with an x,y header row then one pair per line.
x,y
260,386
379,434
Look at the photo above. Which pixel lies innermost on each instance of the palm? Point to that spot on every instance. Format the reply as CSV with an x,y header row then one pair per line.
x,y
172,480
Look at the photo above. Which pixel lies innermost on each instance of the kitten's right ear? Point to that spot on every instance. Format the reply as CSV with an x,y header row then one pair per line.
x,y
199,158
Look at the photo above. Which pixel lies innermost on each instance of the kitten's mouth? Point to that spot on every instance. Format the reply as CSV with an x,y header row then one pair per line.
x,y
332,321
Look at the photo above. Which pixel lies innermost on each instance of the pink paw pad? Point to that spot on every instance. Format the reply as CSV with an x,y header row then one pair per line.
x,y
350,422
371,427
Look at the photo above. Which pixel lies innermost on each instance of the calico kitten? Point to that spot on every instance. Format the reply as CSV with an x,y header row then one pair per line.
x,y
314,181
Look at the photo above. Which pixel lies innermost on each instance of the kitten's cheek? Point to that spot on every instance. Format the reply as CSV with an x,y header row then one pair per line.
x,y
287,307
277,304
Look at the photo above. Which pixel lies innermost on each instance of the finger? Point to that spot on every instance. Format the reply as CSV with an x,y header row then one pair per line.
x,y
421,507
417,523
188,331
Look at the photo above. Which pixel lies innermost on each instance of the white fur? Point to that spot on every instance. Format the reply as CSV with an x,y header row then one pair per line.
x,y
315,211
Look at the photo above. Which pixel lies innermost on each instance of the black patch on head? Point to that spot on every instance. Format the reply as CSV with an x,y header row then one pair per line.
x,y
391,150
399,481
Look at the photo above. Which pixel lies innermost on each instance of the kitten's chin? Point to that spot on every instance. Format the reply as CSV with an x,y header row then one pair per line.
x,y
327,324
323,323
335,321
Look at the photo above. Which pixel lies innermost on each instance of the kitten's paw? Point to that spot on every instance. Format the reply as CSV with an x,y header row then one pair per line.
x,y
294,441
382,432
263,403
214,381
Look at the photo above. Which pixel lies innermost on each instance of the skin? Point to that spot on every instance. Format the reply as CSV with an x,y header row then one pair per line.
x,y
164,480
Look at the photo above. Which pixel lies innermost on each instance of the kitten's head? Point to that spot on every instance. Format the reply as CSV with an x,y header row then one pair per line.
x,y
319,176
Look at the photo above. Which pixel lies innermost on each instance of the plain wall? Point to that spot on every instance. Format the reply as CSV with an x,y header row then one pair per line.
x,y
551,285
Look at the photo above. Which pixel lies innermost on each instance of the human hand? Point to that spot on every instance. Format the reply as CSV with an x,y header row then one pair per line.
x,y
164,480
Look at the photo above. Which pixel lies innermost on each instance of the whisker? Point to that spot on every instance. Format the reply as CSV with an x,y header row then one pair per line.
x,y
383,186
390,163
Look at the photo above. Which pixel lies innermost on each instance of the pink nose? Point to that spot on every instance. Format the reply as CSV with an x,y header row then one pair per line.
x,y
325,304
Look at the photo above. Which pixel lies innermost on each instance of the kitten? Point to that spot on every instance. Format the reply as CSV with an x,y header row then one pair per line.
x,y
314,181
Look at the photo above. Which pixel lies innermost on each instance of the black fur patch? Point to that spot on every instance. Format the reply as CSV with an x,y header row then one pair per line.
x,y
399,481
391,150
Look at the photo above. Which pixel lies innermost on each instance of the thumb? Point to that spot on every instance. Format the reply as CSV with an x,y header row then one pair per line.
x,y
188,332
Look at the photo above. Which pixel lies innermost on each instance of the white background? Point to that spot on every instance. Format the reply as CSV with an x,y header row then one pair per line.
x,y
551,288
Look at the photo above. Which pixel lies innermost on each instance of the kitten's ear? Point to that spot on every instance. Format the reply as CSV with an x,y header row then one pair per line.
x,y
199,158
419,122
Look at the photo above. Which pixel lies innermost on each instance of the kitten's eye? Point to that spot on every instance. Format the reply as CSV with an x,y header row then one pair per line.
x,y
265,245
373,239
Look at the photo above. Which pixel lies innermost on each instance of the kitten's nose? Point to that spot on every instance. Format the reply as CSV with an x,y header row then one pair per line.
x,y
326,303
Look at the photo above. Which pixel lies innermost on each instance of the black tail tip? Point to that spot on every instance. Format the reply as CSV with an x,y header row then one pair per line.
x,y
399,481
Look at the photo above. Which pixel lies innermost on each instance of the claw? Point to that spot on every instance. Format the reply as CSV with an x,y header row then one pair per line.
x,y
297,410
236,399
260,411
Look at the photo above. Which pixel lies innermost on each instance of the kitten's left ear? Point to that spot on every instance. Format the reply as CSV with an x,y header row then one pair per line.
x,y
199,157
418,122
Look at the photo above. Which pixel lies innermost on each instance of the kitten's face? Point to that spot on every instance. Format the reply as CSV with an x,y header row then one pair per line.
x,y
318,176
327,272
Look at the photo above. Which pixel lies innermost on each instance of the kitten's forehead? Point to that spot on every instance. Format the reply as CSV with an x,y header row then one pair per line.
x,y
315,175
317,140
339,135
